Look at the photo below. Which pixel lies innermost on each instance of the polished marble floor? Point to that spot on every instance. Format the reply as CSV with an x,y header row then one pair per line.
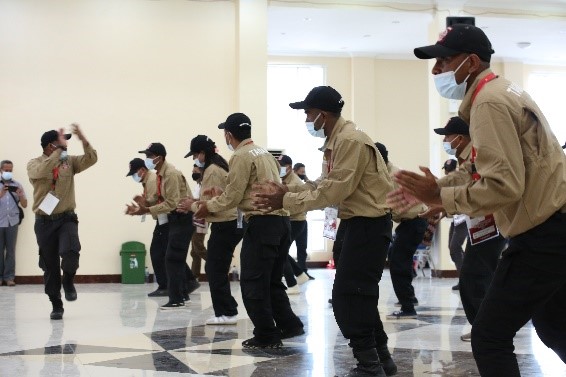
x,y
116,330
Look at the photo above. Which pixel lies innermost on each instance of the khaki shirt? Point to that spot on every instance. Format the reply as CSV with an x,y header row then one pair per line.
x,y
412,213
215,176
173,188
521,163
149,183
40,173
357,179
293,180
249,164
462,175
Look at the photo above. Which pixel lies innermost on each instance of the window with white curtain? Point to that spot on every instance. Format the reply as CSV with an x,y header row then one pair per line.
x,y
547,89
286,129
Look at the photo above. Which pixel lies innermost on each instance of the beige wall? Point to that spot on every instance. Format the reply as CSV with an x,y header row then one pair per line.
x,y
132,72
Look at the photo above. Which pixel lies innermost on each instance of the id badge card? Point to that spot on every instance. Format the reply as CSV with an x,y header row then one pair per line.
x,y
481,229
330,223
49,203
240,221
201,226
162,219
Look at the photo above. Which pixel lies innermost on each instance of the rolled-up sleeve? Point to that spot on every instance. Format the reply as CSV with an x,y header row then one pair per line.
x,y
340,182
499,162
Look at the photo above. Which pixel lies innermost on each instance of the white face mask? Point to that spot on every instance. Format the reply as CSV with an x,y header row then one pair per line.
x,y
7,175
282,172
64,156
313,131
230,147
198,163
447,86
448,147
136,177
149,163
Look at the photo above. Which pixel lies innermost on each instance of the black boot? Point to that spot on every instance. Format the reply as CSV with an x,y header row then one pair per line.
x,y
387,362
69,287
368,364
58,310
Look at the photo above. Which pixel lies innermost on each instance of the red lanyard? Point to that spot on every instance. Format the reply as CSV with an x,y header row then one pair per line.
x,y
485,80
55,177
159,197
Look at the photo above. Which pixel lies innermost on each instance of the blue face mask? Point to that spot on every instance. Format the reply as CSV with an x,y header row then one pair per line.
x,y
64,156
136,177
199,164
149,163
7,175
448,147
314,132
447,86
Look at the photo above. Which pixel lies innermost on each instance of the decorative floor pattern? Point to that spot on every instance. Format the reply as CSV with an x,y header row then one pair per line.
x,y
116,330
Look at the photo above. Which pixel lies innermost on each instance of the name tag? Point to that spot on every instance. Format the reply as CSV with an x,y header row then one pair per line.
x,y
481,229
330,223
162,219
49,203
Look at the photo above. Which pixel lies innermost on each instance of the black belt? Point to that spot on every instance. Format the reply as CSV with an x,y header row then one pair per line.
x,y
54,216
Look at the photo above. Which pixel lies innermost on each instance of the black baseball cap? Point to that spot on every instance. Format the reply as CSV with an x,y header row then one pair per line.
x,y
457,39
455,126
564,146
200,143
450,165
325,98
51,136
284,160
156,149
135,165
236,121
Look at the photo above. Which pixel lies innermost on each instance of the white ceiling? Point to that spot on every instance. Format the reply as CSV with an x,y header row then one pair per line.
x,y
393,29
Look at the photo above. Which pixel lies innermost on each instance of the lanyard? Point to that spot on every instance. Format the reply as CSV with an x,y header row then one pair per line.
x,y
159,197
485,80
55,177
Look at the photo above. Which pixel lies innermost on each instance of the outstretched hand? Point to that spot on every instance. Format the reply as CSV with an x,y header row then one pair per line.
x,y
423,188
268,196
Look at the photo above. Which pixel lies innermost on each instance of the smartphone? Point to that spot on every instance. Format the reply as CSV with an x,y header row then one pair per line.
x,y
12,188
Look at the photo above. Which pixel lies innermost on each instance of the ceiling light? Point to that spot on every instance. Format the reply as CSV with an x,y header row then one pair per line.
x,y
307,19
396,22
367,35
523,45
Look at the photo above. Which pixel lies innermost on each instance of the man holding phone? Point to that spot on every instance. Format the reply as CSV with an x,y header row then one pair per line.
x,y
11,196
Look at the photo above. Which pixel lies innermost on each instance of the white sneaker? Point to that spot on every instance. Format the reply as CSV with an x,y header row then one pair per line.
x,y
302,279
466,337
294,290
222,320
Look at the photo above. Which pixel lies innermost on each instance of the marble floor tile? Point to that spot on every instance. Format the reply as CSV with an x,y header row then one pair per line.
x,y
115,330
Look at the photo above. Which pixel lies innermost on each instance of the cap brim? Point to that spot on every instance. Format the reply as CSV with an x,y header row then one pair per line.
x,y
130,173
298,105
434,51
222,125
440,131
189,154
144,151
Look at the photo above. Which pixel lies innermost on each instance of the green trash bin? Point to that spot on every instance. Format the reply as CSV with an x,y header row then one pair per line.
x,y
133,262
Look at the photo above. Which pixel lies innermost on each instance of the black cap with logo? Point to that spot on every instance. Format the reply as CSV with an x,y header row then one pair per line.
x,y
51,136
284,160
457,39
156,149
383,151
200,143
325,98
450,165
236,121
455,126
135,165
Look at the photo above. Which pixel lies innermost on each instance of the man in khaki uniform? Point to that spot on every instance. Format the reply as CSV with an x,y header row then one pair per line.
x,y
171,187
520,177
355,180
480,260
141,174
57,230
266,237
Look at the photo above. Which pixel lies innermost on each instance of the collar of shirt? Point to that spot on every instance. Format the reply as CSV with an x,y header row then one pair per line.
x,y
165,169
331,140
466,105
243,143
465,155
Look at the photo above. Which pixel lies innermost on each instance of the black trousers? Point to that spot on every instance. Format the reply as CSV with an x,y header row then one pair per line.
x,y
292,268
529,283
264,252
224,236
456,237
478,268
57,239
178,272
157,251
408,235
355,293
300,234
